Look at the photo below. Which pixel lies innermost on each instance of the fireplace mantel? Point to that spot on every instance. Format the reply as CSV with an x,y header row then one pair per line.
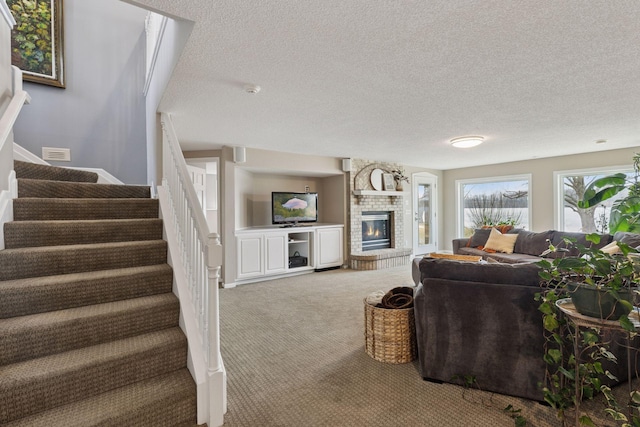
x,y
378,193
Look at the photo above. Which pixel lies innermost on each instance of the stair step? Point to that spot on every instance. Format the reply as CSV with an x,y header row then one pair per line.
x,y
21,234
36,385
37,209
38,335
54,260
54,173
43,188
167,400
89,330
41,294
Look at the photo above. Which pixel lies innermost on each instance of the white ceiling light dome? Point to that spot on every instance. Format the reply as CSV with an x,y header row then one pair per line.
x,y
467,141
251,88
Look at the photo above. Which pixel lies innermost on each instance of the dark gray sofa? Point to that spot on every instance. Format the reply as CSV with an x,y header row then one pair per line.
x,y
529,245
481,319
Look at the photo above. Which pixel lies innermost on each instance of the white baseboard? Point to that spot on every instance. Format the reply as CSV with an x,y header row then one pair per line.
x,y
24,155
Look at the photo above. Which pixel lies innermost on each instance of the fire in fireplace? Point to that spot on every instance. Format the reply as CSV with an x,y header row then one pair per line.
x,y
376,230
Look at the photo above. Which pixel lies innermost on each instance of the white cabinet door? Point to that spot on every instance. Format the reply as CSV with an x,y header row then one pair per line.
x,y
276,253
250,255
329,244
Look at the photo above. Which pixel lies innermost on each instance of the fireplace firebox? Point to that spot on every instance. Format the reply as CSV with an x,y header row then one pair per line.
x,y
376,230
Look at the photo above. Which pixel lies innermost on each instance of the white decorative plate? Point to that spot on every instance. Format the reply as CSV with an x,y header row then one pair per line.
x,y
376,179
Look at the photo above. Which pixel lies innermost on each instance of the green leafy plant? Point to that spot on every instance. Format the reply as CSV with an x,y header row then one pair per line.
x,y
612,273
625,212
593,266
514,413
470,382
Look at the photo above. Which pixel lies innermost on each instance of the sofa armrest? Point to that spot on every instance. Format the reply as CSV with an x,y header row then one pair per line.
x,y
415,270
459,243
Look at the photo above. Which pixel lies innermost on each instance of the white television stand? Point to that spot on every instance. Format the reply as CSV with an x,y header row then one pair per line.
x,y
264,252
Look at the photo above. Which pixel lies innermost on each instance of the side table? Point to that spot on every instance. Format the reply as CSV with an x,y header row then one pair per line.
x,y
580,320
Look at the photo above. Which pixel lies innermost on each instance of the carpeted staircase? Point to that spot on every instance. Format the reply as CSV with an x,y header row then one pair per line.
x,y
89,330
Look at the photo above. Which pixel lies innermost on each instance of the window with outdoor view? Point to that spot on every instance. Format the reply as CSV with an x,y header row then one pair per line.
x,y
493,201
572,185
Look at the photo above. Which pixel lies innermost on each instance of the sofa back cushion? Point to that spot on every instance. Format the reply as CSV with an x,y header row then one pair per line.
x,y
479,237
630,239
532,243
515,274
558,237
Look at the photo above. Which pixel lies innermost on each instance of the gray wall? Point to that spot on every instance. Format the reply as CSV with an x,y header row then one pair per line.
x,y
100,115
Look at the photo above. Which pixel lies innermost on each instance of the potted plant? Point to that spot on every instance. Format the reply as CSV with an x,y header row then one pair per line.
x,y
600,283
611,279
400,177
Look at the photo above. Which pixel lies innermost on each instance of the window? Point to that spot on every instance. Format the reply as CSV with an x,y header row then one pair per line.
x,y
570,187
493,201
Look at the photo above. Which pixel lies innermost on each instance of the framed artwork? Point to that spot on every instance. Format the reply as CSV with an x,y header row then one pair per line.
x,y
37,40
389,182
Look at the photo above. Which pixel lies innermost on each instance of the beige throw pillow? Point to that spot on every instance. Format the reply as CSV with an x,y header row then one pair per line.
x,y
501,242
611,248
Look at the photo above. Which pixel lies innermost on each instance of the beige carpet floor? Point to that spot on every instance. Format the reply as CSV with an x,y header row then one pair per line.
x,y
294,353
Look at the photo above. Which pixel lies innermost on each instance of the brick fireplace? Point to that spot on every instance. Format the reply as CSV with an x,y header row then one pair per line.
x,y
366,202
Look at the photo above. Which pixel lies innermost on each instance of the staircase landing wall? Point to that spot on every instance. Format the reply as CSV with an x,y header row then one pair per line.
x,y
100,115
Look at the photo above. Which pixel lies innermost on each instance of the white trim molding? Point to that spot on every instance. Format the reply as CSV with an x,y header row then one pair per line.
x,y
155,26
559,218
6,14
459,205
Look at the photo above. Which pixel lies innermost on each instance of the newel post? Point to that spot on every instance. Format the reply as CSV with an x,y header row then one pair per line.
x,y
217,377
214,261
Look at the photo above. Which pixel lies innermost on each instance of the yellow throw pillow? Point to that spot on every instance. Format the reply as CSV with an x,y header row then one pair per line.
x,y
611,248
501,242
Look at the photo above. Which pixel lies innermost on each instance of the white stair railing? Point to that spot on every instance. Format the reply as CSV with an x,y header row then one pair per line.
x,y
200,258
8,117
18,99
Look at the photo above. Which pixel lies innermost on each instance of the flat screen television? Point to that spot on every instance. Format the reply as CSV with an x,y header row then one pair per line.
x,y
292,208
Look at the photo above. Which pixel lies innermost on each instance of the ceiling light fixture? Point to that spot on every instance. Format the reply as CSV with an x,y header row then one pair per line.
x,y
467,141
252,88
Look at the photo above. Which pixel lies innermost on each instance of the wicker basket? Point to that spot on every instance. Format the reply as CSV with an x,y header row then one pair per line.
x,y
390,334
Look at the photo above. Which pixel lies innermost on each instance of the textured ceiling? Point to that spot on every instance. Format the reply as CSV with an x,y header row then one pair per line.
x,y
395,80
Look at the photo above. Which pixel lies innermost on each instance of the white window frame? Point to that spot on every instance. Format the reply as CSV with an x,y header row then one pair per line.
x,y
505,178
558,187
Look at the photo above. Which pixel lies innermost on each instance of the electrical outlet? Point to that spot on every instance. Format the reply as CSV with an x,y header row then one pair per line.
x,y
306,188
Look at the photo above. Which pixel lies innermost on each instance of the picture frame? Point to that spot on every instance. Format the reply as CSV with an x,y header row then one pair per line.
x,y
389,182
37,42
